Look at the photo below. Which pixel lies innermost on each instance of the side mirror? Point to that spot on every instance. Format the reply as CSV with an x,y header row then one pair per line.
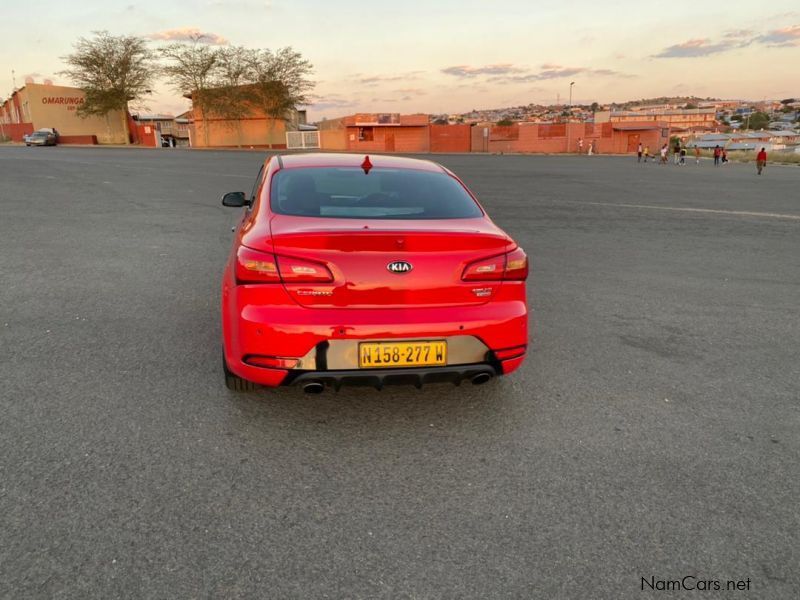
x,y
235,199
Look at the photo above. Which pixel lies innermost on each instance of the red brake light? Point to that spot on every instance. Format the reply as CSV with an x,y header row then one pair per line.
x,y
253,266
511,266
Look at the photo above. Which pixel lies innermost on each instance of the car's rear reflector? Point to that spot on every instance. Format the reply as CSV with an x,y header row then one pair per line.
x,y
508,353
271,362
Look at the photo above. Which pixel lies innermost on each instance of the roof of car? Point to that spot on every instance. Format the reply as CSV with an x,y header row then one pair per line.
x,y
294,161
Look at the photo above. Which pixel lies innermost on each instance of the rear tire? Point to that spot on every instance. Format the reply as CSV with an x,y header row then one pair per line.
x,y
236,383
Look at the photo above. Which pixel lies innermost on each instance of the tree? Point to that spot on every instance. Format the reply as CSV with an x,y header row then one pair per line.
x,y
505,122
595,107
112,71
231,97
690,106
279,82
191,70
758,120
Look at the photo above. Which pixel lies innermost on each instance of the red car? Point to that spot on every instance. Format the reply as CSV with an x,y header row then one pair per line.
x,y
355,270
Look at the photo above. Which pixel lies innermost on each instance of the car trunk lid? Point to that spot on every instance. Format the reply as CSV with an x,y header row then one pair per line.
x,y
428,259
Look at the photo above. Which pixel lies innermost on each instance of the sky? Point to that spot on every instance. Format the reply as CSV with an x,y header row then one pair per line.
x,y
447,56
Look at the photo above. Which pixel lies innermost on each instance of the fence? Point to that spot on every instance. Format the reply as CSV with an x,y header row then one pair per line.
x,y
300,140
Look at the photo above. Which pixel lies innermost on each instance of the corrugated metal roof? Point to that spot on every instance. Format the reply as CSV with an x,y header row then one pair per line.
x,y
741,146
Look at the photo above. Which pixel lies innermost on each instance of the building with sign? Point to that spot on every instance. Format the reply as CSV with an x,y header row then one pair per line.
x,y
39,106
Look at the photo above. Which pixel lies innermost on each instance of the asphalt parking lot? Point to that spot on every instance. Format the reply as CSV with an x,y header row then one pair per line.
x,y
654,430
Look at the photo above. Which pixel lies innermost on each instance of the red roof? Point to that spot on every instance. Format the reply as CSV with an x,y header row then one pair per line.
x,y
295,161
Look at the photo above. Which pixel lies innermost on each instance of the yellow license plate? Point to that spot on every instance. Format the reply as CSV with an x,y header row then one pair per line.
x,y
401,354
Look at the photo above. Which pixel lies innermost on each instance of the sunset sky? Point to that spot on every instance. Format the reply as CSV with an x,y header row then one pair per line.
x,y
449,56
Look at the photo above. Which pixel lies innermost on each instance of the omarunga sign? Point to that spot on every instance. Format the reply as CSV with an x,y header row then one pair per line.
x,y
66,100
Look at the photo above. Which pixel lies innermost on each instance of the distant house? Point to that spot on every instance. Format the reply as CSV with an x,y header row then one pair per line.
x,y
253,129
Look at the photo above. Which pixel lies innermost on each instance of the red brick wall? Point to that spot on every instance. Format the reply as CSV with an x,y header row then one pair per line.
x,y
88,140
450,138
390,139
15,131
409,139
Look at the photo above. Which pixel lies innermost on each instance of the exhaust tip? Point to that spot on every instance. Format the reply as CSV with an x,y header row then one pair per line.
x,y
480,378
313,387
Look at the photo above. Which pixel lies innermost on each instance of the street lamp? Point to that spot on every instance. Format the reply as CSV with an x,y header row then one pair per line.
x,y
569,114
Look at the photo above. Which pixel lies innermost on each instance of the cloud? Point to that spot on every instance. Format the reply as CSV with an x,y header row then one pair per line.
x,y
466,71
331,101
189,34
700,47
412,91
738,33
508,73
374,80
785,37
731,40
551,71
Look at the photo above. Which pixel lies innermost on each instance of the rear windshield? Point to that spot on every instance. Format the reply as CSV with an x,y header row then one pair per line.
x,y
349,193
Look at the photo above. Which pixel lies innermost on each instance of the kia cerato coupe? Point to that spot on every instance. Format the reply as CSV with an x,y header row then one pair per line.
x,y
369,271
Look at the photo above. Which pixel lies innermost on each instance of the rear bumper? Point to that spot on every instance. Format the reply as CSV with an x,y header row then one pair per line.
x,y
264,320
380,378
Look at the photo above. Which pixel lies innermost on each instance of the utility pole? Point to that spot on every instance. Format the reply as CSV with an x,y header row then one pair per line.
x,y
569,114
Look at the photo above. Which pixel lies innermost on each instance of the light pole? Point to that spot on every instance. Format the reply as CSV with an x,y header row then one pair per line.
x,y
569,114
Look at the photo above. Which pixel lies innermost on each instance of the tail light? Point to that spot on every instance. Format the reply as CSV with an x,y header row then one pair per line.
x,y
253,266
293,270
256,267
516,266
512,266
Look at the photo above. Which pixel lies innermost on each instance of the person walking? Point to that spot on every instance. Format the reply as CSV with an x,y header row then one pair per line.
x,y
724,157
683,156
646,153
580,145
664,152
677,151
639,152
697,155
761,160
717,154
